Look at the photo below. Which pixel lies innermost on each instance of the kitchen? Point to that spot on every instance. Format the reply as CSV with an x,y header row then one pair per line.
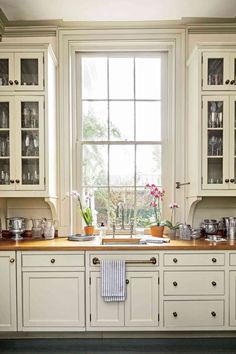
x,y
42,190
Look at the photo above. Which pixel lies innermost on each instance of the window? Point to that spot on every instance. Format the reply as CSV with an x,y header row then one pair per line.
x,y
122,104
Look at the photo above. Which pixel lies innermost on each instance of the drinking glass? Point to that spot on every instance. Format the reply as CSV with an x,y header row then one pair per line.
x,y
49,229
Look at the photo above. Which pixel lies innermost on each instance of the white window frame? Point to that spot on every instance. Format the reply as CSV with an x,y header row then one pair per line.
x,y
120,39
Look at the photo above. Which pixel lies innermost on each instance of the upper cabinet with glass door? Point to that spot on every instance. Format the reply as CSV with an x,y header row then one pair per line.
x,y
219,71
21,71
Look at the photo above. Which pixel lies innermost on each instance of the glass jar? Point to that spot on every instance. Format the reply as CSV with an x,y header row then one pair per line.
x,y
49,229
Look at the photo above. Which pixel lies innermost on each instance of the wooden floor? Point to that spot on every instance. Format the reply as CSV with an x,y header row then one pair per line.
x,y
130,346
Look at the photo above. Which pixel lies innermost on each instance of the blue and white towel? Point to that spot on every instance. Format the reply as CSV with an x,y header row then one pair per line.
x,y
113,280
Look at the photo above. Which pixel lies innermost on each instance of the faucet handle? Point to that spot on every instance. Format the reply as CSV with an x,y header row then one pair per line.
x,y
113,228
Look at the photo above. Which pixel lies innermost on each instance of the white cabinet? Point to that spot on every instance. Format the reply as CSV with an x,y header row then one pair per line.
x,y
219,70
140,310
7,291
53,291
28,157
21,71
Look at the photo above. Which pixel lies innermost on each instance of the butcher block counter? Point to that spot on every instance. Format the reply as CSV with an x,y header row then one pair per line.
x,y
62,243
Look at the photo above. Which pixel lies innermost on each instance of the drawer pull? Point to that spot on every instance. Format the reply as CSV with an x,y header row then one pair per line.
x,y
213,283
12,260
53,260
213,314
175,260
175,283
127,281
214,260
175,314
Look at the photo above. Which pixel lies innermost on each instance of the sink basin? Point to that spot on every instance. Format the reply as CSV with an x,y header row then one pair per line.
x,y
121,241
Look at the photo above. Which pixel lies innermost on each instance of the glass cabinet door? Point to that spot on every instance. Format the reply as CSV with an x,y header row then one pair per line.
x,y
6,174
31,143
29,71
6,71
215,152
216,73
232,176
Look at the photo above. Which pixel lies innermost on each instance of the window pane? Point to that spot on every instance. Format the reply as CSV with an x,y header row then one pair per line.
x,y
124,212
122,165
94,159
148,164
94,78
148,78
121,120
121,78
148,121
95,121
143,210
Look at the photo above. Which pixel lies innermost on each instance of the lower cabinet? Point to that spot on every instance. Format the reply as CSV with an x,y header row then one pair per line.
x,y
232,300
53,298
7,291
140,309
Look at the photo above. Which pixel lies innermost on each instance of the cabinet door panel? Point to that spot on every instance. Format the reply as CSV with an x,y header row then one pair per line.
x,y
28,71
141,306
53,299
232,142
232,300
216,75
6,71
104,314
7,292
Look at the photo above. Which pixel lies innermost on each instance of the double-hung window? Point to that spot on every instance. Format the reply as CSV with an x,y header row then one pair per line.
x,y
121,121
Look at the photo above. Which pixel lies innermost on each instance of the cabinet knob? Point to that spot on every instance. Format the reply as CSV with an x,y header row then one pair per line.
x,y
16,82
12,260
127,281
10,82
175,283
12,181
227,82
175,260
226,180
213,260
232,82
17,181
232,180
175,314
53,260
213,283
213,314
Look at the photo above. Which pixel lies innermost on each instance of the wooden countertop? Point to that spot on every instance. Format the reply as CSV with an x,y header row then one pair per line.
x,y
63,244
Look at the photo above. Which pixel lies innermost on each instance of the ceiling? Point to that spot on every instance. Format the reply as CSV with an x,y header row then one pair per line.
x,y
115,10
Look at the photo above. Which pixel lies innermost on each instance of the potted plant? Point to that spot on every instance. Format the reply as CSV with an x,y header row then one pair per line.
x,y
156,193
86,213
169,223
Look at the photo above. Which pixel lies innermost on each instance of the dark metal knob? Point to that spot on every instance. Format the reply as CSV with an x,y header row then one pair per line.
x,y
12,260
232,180
16,82
17,181
175,314
226,180
227,82
127,281
213,283
232,82
175,260
12,181
175,283
214,260
53,260
213,314
10,82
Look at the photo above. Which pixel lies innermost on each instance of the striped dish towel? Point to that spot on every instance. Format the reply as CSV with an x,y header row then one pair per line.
x,y
113,280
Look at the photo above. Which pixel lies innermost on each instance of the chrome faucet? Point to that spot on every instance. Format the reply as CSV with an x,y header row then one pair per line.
x,y
131,228
120,213
113,229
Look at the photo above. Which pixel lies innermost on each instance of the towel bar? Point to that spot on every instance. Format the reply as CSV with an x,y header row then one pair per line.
x,y
152,260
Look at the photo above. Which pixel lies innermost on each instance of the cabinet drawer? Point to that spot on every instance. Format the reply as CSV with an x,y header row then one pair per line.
x,y
232,259
194,283
53,260
194,313
194,259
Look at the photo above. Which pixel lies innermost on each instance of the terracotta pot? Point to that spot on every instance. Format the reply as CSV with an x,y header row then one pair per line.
x,y
89,230
157,231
